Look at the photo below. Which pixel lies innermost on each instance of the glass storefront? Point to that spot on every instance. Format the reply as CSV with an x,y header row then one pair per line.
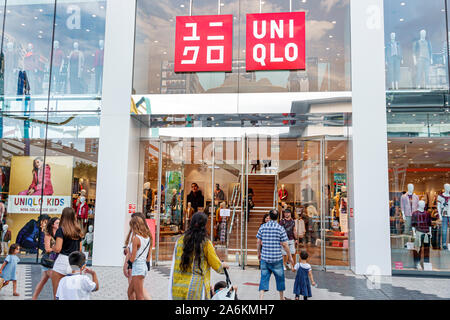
x,y
239,179
327,49
50,94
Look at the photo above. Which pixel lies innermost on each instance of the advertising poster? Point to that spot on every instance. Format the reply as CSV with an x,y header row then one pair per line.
x,y
29,180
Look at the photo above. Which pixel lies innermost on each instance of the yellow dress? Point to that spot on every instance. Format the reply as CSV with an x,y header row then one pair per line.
x,y
193,284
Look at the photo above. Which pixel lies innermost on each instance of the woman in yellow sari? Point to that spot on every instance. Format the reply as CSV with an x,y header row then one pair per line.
x,y
193,258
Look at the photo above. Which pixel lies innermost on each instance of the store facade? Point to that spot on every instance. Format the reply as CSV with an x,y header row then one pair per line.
x,y
307,137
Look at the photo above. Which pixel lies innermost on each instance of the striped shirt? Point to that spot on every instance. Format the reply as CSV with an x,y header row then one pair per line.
x,y
271,235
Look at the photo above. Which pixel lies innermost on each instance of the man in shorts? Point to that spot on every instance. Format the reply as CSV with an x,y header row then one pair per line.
x,y
289,226
271,237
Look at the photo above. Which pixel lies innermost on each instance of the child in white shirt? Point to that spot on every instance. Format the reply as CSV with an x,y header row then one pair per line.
x,y
77,286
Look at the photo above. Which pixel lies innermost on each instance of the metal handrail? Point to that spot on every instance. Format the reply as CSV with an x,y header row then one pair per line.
x,y
234,202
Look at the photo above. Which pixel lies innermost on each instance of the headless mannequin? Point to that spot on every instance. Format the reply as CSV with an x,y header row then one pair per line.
x,y
421,227
11,68
443,203
423,58
58,64
75,70
394,59
188,214
30,66
98,66
408,203
282,193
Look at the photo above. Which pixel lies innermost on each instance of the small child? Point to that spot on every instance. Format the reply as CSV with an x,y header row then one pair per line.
x,y
8,268
304,278
77,286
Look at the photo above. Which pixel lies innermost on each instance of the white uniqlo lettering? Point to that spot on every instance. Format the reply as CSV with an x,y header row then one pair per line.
x,y
210,49
291,28
195,49
260,59
278,28
194,36
295,52
263,29
216,24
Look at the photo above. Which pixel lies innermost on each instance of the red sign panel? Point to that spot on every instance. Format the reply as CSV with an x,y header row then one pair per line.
x,y
276,41
204,43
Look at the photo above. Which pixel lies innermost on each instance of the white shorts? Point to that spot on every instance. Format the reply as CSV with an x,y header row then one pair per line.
x,y
62,265
291,244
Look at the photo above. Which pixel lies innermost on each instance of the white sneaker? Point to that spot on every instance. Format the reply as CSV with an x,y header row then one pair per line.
x,y
284,267
418,266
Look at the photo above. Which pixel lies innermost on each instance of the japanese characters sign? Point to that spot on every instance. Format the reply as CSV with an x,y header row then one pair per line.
x,y
276,41
203,43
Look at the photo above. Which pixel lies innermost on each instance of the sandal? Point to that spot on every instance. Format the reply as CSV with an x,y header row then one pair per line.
x,y
15,294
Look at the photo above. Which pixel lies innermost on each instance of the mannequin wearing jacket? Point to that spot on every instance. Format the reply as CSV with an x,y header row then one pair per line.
x,y
394,58
82,213
37,187
443,203
408,204
421,226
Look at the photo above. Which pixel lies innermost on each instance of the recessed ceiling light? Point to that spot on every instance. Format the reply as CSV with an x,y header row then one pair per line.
x,y
401,19
402,4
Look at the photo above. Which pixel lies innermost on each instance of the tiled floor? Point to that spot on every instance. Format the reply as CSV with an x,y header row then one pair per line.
x,y
332,285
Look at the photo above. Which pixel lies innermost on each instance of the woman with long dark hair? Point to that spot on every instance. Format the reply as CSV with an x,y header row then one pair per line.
x,y
68,239
49,242
193,258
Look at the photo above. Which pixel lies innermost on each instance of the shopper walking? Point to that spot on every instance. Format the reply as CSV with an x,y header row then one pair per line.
x,y
49,242
8,268
140,257
271,237
68,239
291,231
127,252
193,258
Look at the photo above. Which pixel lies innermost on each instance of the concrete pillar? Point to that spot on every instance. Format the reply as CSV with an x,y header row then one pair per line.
x,y
370,250
117,176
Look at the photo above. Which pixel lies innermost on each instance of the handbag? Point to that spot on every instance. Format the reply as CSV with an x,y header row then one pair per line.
x,y
48,260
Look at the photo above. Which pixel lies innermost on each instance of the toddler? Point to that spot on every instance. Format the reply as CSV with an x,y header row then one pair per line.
x,y
304,278
8,268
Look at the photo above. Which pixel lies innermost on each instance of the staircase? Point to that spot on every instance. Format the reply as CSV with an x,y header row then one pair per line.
x,y
263,187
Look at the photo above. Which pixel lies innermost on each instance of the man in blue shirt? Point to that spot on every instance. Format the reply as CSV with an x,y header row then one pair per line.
x,y
271,237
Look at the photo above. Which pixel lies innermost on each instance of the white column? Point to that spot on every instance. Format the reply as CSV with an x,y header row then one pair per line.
x,y
370,236
118,161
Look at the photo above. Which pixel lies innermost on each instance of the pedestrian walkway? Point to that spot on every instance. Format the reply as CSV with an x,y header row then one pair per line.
x,y
332,285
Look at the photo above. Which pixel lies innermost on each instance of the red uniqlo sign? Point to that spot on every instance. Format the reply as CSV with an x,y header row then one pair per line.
x,y
204,43
276,41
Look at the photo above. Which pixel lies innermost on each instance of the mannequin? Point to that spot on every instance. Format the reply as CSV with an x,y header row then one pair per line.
x,y
443,202
31,68
343,209
308,194
282,193
408,204
188,214
148,198
423,58
421,227
82,213
98,66
11,69
394,59
58,63
89,240
5,239
75,70
219,195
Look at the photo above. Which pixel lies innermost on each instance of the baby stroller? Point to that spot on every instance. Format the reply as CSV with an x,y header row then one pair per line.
x,y
227,293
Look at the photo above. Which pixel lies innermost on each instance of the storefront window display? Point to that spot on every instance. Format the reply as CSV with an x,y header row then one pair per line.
x,y
416,45
77,65
327,46
419,190
47,164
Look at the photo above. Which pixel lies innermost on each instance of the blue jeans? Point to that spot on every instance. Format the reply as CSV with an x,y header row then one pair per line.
x,y
445,221
266,270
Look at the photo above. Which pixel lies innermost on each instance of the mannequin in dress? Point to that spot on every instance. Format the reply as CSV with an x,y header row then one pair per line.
x,y
423,59
82,213
408,204
188,215
282,193
75,70
421,227
443,202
